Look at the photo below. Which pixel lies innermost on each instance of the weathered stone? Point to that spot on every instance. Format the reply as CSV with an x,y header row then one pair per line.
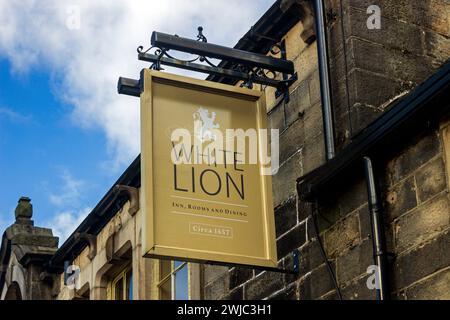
x,y
422,223
285,216
401,199
437,46
288,293
217,288
236,294
299,101
310,257
263,285
432,14
313,153
291,140
284,182
316,284
422,261
239,275
291,240
365,224
358,290
354,196
314,88
276,118
24,211
392,63
419,151
361,115
393,34
304,210
430,179
354,262
343,235
211,272
435,288
306,62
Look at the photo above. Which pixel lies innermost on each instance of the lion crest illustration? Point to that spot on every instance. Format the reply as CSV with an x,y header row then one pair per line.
x,y
204,124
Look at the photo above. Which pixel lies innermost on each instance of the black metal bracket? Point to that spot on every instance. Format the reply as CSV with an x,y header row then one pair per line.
x,y
248,67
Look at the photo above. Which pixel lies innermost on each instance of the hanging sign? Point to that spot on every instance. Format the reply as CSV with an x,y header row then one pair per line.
x,y
206,165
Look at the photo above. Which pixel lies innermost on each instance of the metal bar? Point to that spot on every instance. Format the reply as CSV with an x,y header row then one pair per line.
x,y
129,87
173,286
167,41
378,239
206,69
325,87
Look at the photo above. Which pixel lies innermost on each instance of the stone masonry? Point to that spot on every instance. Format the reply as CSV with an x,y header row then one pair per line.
x,y
370,69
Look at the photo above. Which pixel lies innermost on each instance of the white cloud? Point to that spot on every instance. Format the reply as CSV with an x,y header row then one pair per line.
x,y
88,61
69,194
64,223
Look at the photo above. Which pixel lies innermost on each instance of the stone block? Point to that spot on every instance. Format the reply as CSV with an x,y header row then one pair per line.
x,y
310,257
304,210
430,179
358,290
437,287
365,224
354,262
239,275
211,272
412,156
236,294
299,101
345,234
316,284
291,140
423,223
276,119
400,199
285,216
284,182
393,33
291,240
422,261
217,288
263,286
288,293
392,63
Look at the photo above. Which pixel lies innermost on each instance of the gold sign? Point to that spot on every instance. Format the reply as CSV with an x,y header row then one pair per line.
x,y
205,196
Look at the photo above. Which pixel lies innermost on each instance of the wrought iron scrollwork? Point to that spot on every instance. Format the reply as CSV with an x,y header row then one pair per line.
x,y
250,68
162,52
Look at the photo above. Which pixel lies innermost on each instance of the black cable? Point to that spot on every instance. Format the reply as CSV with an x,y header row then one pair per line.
x,y
322,249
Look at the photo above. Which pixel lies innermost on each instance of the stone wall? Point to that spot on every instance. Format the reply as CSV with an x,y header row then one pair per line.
x,y
370,69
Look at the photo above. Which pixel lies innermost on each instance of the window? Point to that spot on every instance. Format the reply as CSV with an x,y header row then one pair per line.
x,y
121,287
173,284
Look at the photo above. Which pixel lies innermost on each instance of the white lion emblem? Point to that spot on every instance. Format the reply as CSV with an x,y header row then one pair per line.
x,y
204,124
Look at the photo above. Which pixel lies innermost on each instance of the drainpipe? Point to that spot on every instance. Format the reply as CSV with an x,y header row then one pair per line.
x,y
378,239
324,72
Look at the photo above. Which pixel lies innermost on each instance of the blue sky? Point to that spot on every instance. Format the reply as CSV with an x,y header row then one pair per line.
x,y
65,135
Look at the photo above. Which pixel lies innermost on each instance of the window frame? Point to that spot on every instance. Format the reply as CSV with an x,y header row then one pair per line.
x,y
121,276
171,276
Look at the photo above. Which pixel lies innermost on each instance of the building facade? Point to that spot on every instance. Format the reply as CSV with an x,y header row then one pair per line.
x,y
390,94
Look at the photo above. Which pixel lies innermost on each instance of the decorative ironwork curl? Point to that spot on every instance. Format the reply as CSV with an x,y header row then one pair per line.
x,y
161,52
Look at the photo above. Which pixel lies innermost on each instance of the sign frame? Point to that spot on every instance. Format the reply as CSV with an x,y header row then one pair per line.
x,y
152,249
